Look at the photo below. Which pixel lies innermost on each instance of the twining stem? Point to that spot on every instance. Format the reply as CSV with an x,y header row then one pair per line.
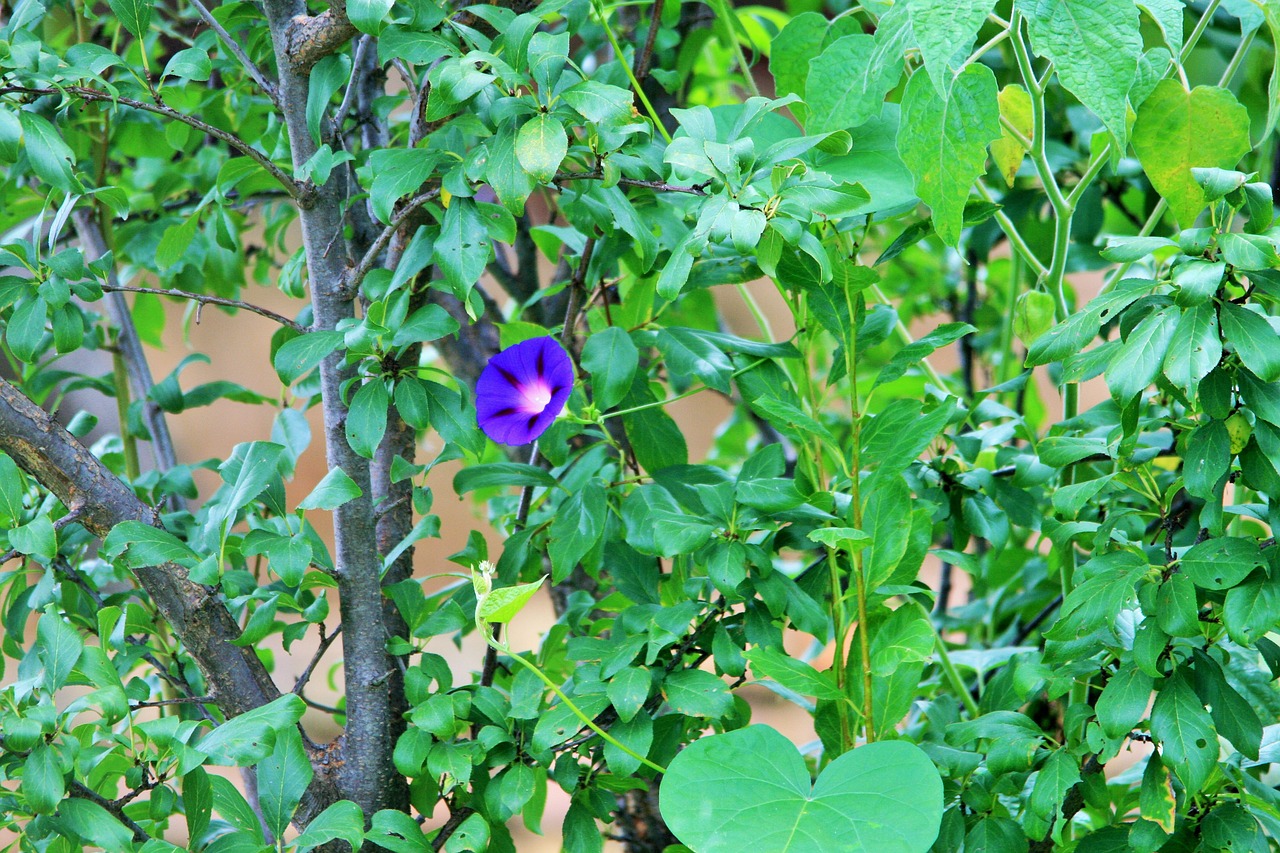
x,y
568,703
949,668
857,565
730,23
635,84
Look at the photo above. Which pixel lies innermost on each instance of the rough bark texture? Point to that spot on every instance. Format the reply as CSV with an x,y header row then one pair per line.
x,y
366,773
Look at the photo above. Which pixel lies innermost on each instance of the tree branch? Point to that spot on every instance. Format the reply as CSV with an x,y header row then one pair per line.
x,y
366,773
295,189
207,300
236,50
370,259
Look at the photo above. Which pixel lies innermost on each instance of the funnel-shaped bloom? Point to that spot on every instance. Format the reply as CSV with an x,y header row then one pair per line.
x,y
522,389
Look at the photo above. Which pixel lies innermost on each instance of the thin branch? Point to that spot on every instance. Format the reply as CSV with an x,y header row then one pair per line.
x,y
646,53
206,299
85,93
182,700
370,258
661,186
349,97
234,46
409,83
84,792
325,643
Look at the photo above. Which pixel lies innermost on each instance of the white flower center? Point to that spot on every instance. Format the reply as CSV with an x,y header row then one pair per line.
x,y
535,397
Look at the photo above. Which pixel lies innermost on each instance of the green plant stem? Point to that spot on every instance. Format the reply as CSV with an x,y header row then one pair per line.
x,y
752,366
725,14
856,564
577,712
948,667
839,630
904,335
1012,234
635,84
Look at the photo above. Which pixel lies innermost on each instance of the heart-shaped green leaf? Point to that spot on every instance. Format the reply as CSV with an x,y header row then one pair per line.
x,y
749,790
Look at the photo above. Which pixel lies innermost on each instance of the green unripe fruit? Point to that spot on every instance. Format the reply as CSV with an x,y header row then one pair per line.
x,y
1032,316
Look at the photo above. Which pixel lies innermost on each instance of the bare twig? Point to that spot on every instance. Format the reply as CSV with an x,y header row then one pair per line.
x,y
357,274
234,46
206,299
365,43
325,642
660,186
181,700
646,53
85,93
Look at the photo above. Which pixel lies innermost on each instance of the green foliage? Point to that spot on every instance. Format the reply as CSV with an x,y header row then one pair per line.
x,y
930,178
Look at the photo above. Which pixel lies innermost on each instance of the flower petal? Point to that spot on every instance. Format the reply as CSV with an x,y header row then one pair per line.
x,y
525,371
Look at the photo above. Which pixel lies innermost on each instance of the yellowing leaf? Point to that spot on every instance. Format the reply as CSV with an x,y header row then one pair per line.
x,y
1007,151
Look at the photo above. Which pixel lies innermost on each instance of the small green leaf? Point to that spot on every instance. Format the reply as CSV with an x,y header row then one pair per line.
x,y
1183,730
134,14
367,417
1222,562
697,693
251,737
503,603
611,358
301,354
501,474
628,691
342,820
793,674
1124,700
368,15
283,777
43,784
333,491
541,147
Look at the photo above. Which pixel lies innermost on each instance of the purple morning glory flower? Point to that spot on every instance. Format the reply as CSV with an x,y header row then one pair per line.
x,y
522,389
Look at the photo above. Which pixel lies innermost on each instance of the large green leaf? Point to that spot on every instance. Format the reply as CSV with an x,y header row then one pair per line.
x,y
283,776
789,54
251,737
844,89
1185,733
940,29
750,790
462,250
943,140
134,14
1169,138
1254,339
1094,46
